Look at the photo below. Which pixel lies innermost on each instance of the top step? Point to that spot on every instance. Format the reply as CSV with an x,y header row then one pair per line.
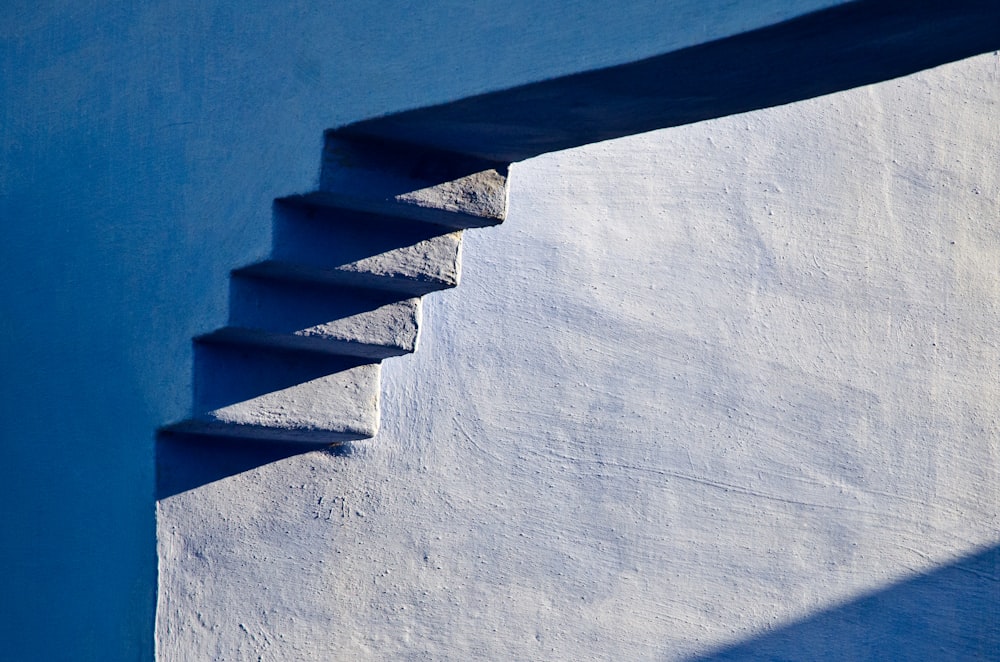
x,y
405,181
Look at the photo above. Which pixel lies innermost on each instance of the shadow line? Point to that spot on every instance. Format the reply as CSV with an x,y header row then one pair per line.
x,y
186,461
949,613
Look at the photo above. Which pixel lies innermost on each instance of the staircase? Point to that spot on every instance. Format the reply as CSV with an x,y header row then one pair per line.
x,y
299,360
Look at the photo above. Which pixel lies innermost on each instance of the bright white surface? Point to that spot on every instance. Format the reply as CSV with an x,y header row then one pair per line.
x,y
701,383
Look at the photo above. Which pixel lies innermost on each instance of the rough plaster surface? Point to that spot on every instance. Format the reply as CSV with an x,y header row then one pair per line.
x,y
141,147
703,385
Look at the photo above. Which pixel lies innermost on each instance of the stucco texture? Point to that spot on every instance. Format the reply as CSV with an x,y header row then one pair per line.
x,y
141,148
724,391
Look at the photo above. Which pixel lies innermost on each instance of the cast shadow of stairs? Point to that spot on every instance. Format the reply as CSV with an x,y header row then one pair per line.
x,y
297,365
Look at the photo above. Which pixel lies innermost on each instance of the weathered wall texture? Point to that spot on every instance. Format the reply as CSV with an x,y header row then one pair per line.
x,y
730,383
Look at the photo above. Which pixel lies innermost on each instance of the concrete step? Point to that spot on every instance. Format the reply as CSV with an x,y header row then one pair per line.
x,y
281,396
405,181
361,250
312,318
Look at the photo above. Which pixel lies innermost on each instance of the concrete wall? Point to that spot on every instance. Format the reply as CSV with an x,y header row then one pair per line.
x,y
141,147
725,391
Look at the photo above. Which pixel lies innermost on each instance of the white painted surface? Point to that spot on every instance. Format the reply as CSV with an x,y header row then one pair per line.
x,y
702,383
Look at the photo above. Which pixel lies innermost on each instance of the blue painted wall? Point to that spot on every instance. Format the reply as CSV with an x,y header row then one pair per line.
x,y
140,149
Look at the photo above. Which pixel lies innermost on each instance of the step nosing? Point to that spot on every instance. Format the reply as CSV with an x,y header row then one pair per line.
x,y
237,332
255,432
391,209
344,278
313,343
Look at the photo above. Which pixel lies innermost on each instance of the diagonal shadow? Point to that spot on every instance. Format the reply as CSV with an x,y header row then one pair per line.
x,y
339,291
949,613
228,374
838,48
185,461
309,233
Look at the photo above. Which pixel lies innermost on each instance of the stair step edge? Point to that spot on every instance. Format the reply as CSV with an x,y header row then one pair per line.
x,y
319,344
361,280
305,436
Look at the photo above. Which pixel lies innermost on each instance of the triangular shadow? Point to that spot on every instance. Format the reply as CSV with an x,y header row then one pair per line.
x,y
185,461
949,613
227,374
307,232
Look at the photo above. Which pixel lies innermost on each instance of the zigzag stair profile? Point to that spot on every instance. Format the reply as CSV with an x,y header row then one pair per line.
x,y
308,327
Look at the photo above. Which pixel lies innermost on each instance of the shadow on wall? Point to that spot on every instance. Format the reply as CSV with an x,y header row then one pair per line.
x,y
289,373
951,613
842,47
297,366
185,462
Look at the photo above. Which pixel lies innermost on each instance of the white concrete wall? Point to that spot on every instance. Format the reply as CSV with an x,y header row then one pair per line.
x,y
704,384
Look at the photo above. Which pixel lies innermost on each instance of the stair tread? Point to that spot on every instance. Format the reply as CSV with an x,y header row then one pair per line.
x,y
362,251
410,181
338,406
311,317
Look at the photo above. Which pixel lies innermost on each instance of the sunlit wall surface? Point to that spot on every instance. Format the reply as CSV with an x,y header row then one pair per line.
x,y
724,391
